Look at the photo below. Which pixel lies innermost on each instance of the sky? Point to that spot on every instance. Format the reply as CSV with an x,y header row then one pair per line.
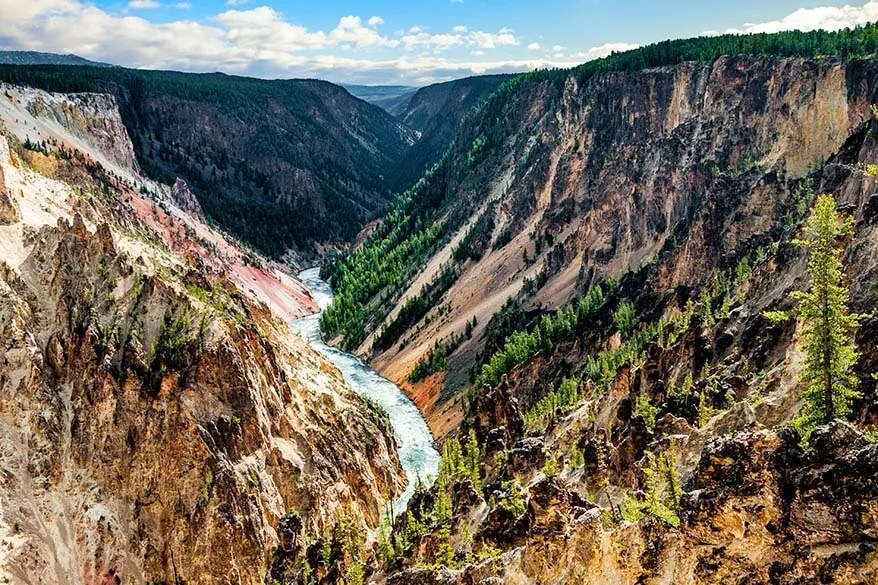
x,y
406,42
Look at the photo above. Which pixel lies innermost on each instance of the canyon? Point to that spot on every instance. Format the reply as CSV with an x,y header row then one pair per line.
x,y
160,421
542,344
672,173
674,193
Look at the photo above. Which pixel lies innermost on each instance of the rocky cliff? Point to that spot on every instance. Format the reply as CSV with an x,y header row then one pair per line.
x,y
582,314
436,112
260,156
757,509
159,422
672,175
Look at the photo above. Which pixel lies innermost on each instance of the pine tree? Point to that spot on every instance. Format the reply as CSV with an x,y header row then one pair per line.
x,y
830,385
473,458
625,317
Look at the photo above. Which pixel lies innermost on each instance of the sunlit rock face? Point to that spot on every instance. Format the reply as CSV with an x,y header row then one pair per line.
x,y
664,179
157,420
674,172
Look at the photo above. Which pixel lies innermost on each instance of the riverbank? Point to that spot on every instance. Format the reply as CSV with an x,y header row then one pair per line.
x,y
417,454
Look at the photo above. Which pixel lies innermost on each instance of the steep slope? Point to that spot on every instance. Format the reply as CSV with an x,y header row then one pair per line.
x,y
436,112
446,103
284,165
677,170
158,422
393,99
577,294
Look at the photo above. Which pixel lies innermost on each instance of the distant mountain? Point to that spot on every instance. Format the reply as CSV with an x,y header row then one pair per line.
x,y
38,58
436,111
449,101
394,99
283,164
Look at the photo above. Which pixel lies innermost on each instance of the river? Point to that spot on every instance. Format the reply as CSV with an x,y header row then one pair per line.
x,y
416,452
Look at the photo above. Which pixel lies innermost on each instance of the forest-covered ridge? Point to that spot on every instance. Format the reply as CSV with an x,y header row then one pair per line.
x,y
260,155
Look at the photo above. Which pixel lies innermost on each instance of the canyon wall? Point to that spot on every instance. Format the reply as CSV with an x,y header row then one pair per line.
x,y
158,421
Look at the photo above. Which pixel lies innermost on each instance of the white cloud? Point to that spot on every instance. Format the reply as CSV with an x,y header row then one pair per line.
x,y
604,50
261,42
821,17
143,4
182,5
263,31
236,2
484,40
375,21
350,29
534,47
418,38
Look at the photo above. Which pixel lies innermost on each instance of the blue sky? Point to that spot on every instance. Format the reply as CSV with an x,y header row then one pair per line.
x,y
383,41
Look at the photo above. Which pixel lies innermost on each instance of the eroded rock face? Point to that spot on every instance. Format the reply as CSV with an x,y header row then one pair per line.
x,y
146,460
759,508
184,199
91,117
157,424
689,184
688,166
8,208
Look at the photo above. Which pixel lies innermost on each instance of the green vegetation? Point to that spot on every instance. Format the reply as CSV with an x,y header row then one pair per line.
x,y
374,275
512,498
577,458
346,537
355,573
459,462
563,398
386,263
625,318
705,410
395,544
551,466
462,461
827,322
177,347
416,308
478,145
681,390
645,410
803,197
503,323
602,367
663,491
847,43
521,346
219,298
436,359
